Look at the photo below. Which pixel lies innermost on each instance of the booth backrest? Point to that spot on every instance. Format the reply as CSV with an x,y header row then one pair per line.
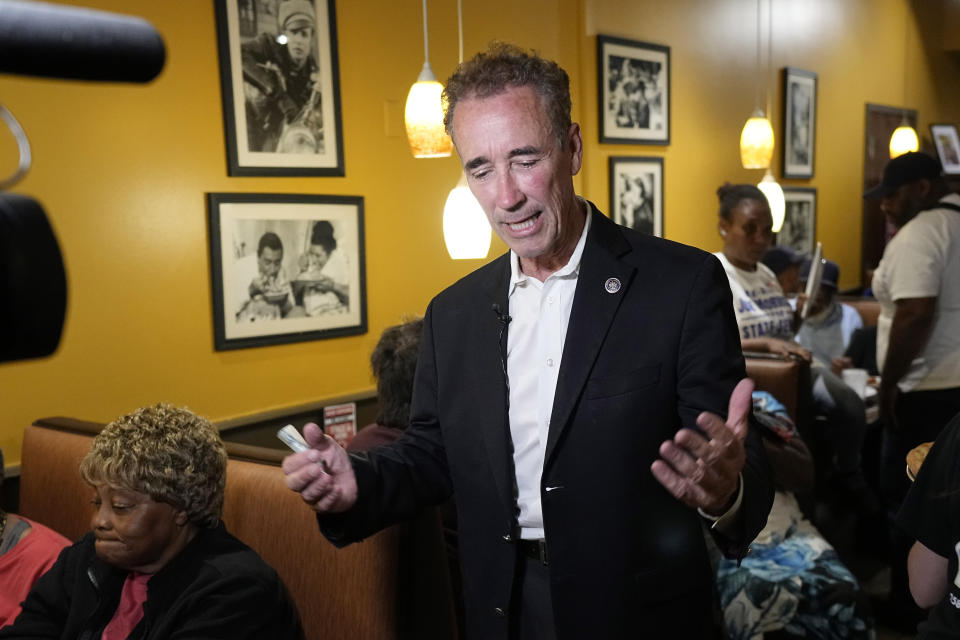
x,y
335,589
357,592
868,308
780,376
51,490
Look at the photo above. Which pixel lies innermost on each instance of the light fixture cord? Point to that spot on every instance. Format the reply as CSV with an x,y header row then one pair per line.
x,y
906,56
460,27
426,37
769,54
757,95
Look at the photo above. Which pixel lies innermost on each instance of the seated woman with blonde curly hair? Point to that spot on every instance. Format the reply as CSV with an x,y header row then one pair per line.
x,y
159,562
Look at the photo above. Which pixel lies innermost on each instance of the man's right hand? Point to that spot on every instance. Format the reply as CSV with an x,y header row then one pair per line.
x,y
322,475
839,364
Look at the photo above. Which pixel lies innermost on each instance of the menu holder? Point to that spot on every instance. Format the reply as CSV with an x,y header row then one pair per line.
x,y
813,278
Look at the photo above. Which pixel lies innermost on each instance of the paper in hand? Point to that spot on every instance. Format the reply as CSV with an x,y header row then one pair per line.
x,y
813,278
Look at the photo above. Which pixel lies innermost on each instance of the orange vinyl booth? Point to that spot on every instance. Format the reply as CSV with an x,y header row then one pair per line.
x,y
393,585
786,378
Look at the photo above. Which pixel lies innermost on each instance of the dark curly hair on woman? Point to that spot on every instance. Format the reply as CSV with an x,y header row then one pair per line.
x,y
394,361
731,195
322,235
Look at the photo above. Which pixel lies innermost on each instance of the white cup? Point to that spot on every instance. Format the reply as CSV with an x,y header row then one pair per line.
x,y
856,379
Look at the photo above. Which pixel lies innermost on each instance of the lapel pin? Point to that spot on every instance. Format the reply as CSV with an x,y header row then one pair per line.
x,y
612,285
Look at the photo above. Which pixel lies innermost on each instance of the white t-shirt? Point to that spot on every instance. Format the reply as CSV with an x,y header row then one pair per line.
x,y
761,308
923,261
828,335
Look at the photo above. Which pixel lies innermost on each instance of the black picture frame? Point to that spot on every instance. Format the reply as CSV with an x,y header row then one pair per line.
x,y
633,78
799,229
305,300
799,122
636,193
278,121
947,143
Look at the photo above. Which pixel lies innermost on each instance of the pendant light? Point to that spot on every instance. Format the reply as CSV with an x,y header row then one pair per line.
x,y
756,138
769,185
904,138
756,142
778,205
466,231
423,114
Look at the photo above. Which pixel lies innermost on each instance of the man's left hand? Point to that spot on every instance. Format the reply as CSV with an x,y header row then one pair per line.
x,y
703,472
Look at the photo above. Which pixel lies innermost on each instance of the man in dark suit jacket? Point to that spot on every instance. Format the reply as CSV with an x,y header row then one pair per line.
x,y
569,394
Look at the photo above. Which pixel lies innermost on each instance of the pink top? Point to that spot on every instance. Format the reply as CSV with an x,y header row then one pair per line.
x,y
130,610
23,564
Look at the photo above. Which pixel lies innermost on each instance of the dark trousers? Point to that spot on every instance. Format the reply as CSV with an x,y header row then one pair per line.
x,y
846,424
922,415
531,613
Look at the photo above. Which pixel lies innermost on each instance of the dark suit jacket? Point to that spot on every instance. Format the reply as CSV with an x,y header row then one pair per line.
x,y
626,558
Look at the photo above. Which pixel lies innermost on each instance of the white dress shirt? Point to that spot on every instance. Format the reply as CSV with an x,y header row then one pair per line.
x,y
540,313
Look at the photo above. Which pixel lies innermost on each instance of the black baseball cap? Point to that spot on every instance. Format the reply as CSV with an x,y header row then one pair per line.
x,y
902,170
780,257
828,277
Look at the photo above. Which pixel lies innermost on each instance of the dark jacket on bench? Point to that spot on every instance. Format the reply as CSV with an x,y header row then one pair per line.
x,y
217,587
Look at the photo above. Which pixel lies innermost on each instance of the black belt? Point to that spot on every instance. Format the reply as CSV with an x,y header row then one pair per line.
x,y
536,549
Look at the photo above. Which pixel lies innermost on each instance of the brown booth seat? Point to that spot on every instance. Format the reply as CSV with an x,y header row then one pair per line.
x,y
363,591
783,377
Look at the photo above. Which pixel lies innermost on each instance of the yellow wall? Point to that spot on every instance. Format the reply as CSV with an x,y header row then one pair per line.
x,y
122,171
855,46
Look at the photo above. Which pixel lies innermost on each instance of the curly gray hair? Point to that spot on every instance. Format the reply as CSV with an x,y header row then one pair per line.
x,y
168,453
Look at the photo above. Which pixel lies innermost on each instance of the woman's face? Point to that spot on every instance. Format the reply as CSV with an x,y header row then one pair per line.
x,y
134,532
317,257
747,233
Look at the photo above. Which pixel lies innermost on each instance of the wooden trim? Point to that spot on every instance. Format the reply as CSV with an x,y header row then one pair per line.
x,y
235,450
89,427
279,412
72,425
251,453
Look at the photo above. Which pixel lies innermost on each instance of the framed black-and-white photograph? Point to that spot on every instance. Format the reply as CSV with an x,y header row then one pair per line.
x,y
948,147
636,193
281,87
285,268
634,91
799,230
799,122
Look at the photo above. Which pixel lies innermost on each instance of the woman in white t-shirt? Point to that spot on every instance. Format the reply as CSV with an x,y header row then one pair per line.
x,y
765,318
768,323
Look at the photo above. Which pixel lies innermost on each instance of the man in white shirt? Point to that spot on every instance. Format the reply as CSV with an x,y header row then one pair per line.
x,y
829,325
918,331
568,394
918,286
